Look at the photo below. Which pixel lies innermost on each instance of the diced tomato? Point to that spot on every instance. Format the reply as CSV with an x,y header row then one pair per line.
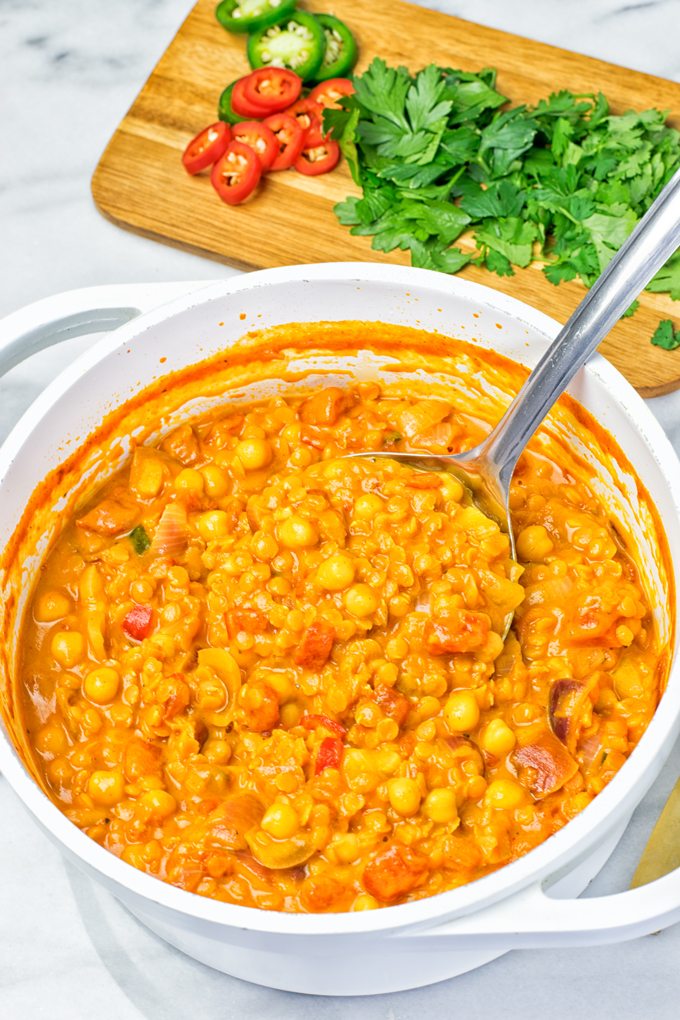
x,y
137,623
459,630
393,872
315,646
329,755
325,407
110,517
259,137
544,766
318,158
141,759
236,175
250,621
393,704
308,115
268,88
312,720
182,443
206,148
259,704
290,138
174,694
327,93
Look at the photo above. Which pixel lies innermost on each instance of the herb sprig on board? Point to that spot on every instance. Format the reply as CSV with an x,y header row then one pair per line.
x,y
441,152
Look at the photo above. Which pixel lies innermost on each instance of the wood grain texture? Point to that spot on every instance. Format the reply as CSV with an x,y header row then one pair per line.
x,y
140,184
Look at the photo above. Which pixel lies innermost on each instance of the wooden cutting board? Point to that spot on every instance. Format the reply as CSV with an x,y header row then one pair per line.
x,y
140,183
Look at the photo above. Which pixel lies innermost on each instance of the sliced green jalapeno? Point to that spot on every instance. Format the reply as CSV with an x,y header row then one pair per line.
x,y
297,42
341,48
251,15
225,110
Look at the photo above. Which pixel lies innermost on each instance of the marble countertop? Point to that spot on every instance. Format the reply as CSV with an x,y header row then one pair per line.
x,y
69,951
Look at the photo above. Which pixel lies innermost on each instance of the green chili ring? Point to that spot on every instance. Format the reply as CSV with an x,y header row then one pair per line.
x,y
341,48
225,111
297,42
252,15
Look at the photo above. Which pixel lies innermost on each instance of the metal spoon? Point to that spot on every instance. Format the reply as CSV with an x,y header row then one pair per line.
x,y
487,469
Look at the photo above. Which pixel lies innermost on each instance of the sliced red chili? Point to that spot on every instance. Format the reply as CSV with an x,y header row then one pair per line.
x,y
237,173
259,137
311,720
329,755
206,148
137,623
290,138
327,93
271,88
318,158
244,107
308,115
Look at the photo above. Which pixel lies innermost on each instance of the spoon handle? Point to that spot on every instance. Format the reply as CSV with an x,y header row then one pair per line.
x,y
651,244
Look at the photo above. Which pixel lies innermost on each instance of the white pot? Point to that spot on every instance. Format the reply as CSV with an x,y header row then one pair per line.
x,y
525,904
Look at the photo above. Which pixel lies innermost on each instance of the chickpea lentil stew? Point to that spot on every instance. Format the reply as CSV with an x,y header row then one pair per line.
x,y
276,677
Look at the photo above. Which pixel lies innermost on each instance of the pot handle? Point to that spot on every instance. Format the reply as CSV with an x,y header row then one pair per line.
x,y
534,919
79,312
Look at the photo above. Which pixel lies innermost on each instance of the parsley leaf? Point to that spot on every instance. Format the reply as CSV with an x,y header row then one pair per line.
x,y
140,539
665,336
441,152
668,278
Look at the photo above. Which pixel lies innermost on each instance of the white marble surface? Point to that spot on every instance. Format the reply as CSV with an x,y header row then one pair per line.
x,y
67,73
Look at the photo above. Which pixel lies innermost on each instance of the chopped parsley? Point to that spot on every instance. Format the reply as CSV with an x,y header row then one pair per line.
x,y
140,539
665,336
442,152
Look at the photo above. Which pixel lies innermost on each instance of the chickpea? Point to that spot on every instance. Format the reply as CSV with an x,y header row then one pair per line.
x,y
534,543
404,795
280,821
625,635
68,647
51,739
158,804
214,524
106,788
190,482
216,482
141,591
254,453
52,606
504,794
497,738
346,847
361,600
336,573
101,685
367,506
461,711
264,546
290,715
297,533
217,751
440,805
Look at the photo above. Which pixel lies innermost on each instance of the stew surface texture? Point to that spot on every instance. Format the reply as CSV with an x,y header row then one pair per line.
x,y
279,678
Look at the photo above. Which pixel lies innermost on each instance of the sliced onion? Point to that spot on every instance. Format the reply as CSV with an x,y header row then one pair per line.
x,y
172,533
278,854
569,708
